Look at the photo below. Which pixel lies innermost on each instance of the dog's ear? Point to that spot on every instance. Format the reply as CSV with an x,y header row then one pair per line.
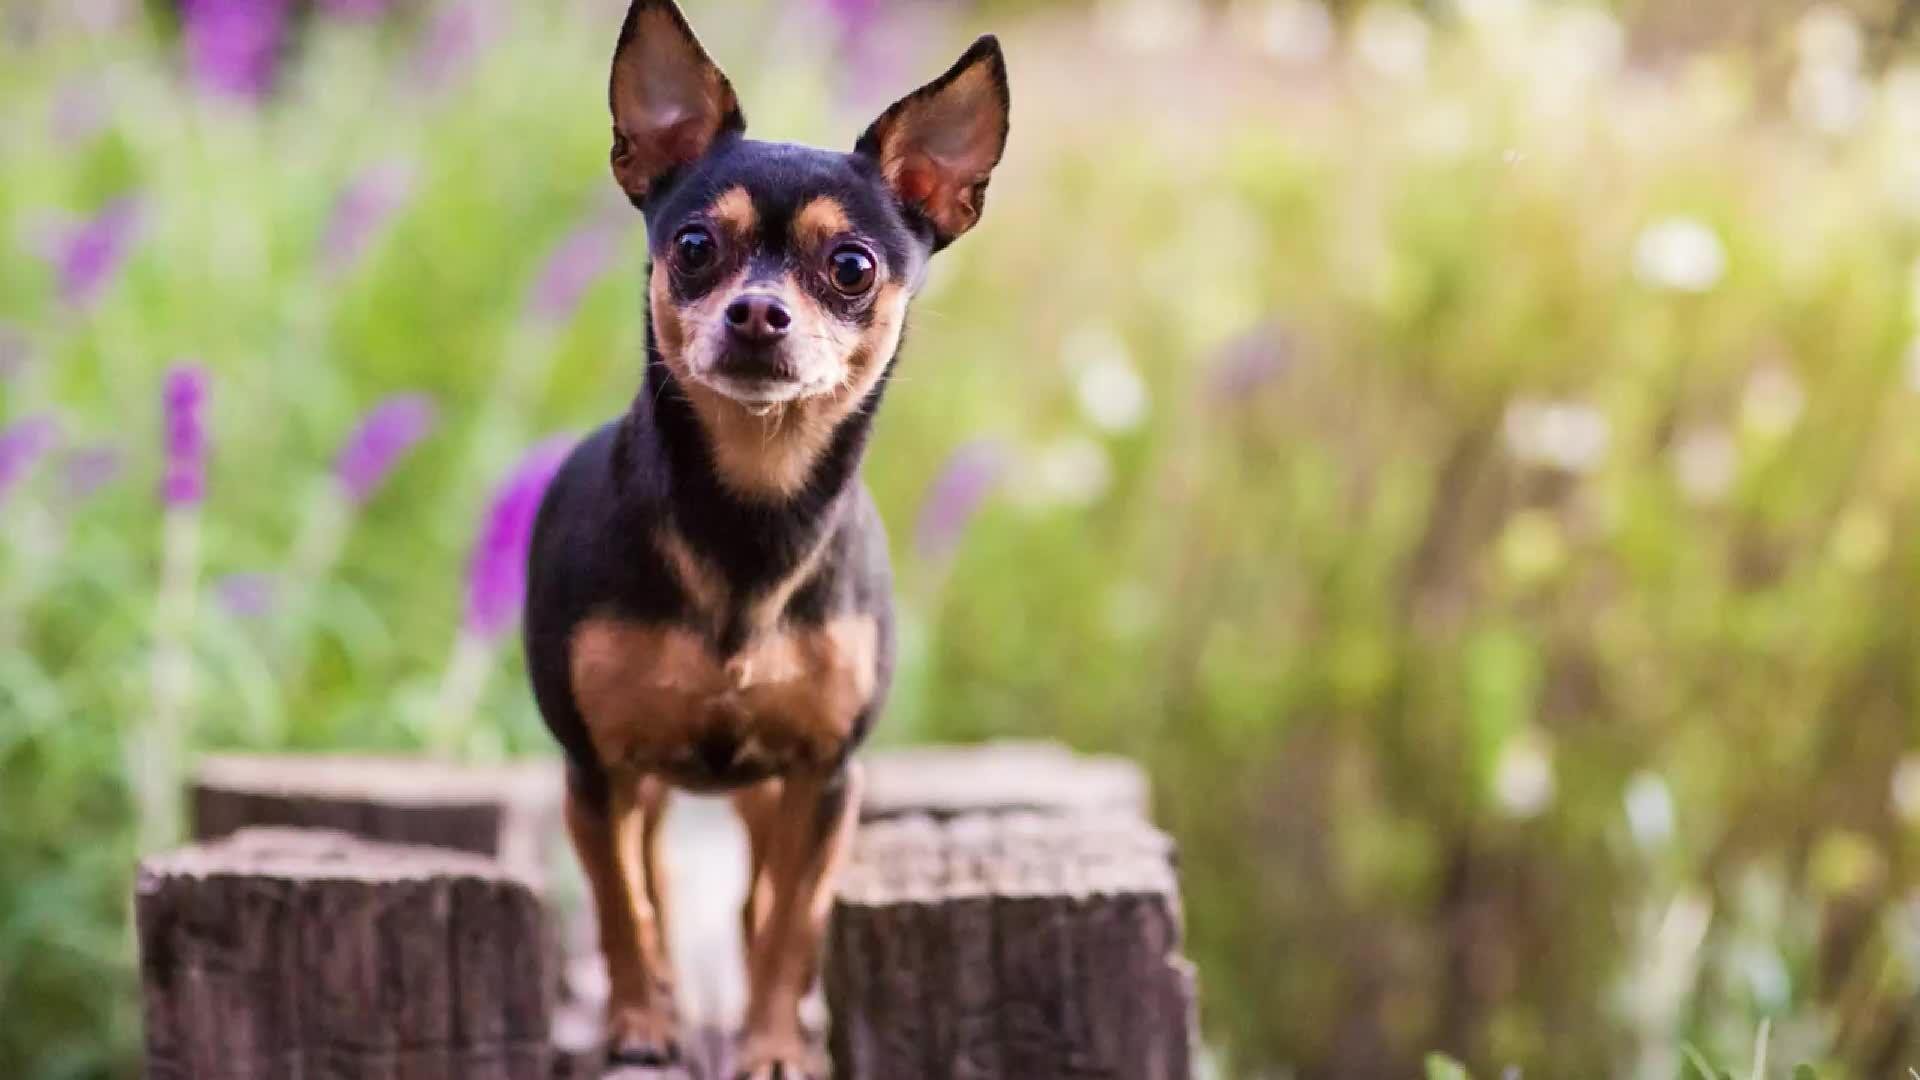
x,y
670,101
938,145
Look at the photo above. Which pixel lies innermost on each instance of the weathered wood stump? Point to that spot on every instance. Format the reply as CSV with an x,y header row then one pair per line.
x,y
509,812
282,953
999,777
1017,946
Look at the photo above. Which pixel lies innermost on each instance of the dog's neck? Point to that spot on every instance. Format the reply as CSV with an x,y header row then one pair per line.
x,y
752,531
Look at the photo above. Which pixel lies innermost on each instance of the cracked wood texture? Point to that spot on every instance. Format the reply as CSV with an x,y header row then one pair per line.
x,y
1013,946
284,953
509,812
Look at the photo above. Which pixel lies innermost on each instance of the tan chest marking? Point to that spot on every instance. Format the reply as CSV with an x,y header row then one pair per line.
x,y
648,692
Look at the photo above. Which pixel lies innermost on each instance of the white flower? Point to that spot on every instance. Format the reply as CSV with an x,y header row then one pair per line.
x,y
1523,778
1679,253
1828,35
1649,810
1900,97
1772,402
1583,41
1559,434
1829,98
1113,397
1705,464
1392,41
1906,789
1295,32
1150,26
1071,472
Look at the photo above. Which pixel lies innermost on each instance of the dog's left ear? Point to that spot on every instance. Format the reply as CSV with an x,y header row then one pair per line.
x,y
938,145
670,100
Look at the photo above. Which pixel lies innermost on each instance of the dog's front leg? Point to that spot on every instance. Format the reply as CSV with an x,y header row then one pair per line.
x,y
616,844
805,839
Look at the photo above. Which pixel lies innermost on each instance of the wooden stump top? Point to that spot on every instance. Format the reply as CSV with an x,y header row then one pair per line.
x,y
1000,777
928,860
307,855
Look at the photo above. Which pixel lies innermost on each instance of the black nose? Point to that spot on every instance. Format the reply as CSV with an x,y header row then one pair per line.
x,y
717,750
758,319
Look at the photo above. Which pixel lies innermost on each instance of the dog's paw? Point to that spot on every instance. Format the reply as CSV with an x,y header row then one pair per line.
x,y
771,1059
645,1036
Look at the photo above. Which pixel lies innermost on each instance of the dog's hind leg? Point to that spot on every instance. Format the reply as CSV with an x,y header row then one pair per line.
x,y
616,842
807,832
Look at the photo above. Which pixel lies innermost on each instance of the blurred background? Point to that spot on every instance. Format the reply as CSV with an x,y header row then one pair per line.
x,y
1466,451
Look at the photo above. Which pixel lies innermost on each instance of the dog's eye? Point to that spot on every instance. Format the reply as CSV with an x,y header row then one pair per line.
x,y
694,249
851,269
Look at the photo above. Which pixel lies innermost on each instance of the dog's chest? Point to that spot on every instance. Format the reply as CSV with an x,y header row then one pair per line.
x,y
661,697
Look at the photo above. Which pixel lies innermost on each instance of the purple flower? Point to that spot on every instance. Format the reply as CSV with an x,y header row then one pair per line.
x,y
234,45
497,574
91,253
450,40
90,468
852,17
247,595
579,261
1251,361
383,437
21,447
184,400
363,208
968,477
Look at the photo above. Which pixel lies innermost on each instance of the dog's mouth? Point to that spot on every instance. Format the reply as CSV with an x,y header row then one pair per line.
x,y
758,384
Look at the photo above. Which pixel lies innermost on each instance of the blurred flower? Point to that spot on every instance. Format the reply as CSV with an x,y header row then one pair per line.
x,y
79,112
1829,98
184,400
1580,44
383,437
90,468
355,9
963,484
90,254
1074,471
1679,253
14,351
1860,539
233,46
22,445
362,209
1827,34
1491,11
1296,32
1523,778
451,38
582,257
853,18
1771,405
497,573
1558,434
1112,395
1900,97
1649,805
1149,26
247,595
1392,40
1906,789
1705,464
1250,361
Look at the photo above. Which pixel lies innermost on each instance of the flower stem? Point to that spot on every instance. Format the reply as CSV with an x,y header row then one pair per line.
x,y
159,745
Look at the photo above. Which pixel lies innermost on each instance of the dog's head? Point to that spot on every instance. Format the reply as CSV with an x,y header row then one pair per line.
x,y
781,273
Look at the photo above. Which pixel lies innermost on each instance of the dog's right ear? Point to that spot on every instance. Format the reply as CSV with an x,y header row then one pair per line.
x,y
670,101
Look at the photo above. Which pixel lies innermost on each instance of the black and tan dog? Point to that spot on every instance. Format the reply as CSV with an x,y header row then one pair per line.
x,y
709,597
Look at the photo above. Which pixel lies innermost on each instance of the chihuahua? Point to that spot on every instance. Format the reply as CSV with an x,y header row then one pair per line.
x,y
708,601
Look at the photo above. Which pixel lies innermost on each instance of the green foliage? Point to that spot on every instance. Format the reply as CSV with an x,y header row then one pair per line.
x,y
1512,582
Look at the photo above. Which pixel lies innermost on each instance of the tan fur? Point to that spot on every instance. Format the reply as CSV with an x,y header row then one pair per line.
x,y
613,851
647,692
818,222
770,456
733,211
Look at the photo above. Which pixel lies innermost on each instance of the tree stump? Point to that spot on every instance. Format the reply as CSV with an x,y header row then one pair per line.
x,y
509,812
282,953
999,777
1017,946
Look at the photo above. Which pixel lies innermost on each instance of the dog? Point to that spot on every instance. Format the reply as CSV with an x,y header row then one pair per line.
x,y
709,598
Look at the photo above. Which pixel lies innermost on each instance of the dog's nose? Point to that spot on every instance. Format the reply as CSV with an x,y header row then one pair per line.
x,y
718,749
758,319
